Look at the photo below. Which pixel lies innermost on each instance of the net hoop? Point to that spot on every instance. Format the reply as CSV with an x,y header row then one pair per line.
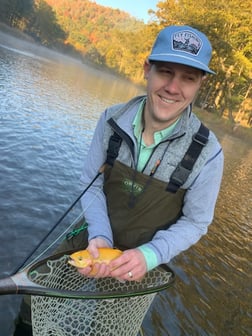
x,y
55,277
107,307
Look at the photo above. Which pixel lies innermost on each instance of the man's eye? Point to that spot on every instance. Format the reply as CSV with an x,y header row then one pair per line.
x,y
164,70
191,79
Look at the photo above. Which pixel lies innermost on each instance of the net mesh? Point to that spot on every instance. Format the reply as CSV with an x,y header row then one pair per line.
x,y
111,316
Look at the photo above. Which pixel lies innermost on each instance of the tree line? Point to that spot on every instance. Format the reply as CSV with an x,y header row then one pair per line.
x,y
112,38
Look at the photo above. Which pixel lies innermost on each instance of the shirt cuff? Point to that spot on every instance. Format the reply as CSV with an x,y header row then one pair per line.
x,y
150,257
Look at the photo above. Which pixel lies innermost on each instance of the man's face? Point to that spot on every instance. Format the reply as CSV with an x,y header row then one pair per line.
x,y
171,88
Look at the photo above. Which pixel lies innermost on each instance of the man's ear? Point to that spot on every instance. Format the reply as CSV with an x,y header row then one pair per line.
x,y
146,68
204,77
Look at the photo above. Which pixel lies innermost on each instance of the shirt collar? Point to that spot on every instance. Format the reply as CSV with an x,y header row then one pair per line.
x,y
137,122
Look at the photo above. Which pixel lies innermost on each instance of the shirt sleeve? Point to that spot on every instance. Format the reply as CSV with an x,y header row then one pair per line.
x,y
93,201
198,211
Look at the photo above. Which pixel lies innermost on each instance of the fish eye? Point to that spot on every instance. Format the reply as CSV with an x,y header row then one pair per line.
x,y
80,258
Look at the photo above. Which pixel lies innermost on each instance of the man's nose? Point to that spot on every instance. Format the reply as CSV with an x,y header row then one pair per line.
x,y
172,85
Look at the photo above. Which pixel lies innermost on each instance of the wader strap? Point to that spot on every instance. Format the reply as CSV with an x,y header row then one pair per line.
x,y
184,168
113,148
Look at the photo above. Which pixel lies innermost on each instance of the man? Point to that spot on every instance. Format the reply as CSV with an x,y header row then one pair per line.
x,y
162,168
139,208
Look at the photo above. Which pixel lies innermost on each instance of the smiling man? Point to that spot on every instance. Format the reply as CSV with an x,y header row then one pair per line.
x,y
171,88
162,167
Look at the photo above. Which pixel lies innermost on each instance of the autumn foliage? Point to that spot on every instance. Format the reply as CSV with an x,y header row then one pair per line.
x,y
114,39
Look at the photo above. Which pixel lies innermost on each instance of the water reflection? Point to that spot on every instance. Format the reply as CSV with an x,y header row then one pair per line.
x,y
212,294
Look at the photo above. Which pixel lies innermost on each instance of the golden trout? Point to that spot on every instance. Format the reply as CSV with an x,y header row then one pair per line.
x,y
83,258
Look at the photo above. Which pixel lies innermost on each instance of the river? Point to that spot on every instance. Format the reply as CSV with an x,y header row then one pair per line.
x,y
49,108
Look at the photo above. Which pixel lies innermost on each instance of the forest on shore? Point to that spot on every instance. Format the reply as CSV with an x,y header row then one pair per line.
x,y
114,39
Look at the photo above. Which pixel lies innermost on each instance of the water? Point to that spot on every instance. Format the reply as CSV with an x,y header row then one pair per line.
x,y
49,108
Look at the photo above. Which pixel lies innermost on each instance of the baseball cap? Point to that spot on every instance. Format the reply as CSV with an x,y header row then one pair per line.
x,y
183,45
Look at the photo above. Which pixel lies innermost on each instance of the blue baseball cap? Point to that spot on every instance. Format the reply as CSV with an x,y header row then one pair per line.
x,y
183,45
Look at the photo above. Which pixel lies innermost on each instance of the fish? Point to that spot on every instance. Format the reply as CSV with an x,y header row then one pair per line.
x,y
83,258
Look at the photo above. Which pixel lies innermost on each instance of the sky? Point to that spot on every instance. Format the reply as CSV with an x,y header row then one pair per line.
x,y
137,8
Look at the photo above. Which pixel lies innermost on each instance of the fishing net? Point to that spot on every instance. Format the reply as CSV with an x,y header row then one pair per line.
x,y
104,307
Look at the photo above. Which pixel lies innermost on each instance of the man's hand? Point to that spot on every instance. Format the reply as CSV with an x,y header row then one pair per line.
x,y
129,266
100,270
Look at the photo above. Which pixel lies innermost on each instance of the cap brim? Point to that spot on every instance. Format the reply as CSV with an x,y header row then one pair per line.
x,y
180,59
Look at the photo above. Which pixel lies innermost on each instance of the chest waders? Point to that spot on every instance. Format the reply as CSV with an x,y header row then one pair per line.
x,y
138,204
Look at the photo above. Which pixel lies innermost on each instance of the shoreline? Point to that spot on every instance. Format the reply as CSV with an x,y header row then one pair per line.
x,y
13,38
222,125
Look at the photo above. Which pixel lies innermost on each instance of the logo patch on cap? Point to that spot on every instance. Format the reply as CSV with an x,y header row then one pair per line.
x,y
186,41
